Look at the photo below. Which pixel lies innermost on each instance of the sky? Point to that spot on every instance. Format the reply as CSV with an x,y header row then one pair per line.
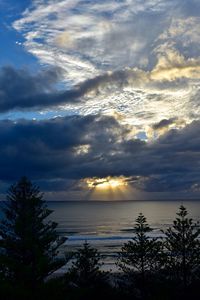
x,y
99,99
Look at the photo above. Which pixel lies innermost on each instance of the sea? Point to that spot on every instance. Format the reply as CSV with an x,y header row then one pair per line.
x,y
107,225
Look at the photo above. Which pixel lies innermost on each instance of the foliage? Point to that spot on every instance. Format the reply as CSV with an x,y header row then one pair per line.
x,y
29,248
183,248
85,270
142,253
29,244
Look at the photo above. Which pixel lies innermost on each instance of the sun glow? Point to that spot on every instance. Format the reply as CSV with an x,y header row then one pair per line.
x,y
109,188
107,183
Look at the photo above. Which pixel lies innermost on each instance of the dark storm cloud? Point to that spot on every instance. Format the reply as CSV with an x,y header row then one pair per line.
x,y
163,123
49,147
21,90
60,151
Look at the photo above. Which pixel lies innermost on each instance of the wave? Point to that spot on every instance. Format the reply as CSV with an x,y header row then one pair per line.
x,y
110,238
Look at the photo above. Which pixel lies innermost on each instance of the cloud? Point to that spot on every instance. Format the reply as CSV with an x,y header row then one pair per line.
x,y
64,40
21,90
43,150
137,62
89,38
164,126
139,58
33,148
164,123
172,65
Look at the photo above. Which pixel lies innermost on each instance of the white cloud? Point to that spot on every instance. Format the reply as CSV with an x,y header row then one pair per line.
x,y
108,34
157,42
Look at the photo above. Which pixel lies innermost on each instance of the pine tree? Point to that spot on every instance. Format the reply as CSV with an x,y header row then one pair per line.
x,y
142,254
29,244
85,270
183,247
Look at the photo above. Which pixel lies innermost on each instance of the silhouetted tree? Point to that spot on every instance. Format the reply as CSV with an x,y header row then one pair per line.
x,y
141,255
85,270
29,244
183,247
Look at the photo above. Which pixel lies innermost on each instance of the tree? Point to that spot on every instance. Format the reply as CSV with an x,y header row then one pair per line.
x,y
29,244
85,270
183,247
141,254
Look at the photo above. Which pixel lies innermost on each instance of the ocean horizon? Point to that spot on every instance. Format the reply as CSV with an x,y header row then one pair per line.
x,y
107,225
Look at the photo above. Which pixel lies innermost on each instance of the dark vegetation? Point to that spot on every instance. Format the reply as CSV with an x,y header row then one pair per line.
x,y
150,268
